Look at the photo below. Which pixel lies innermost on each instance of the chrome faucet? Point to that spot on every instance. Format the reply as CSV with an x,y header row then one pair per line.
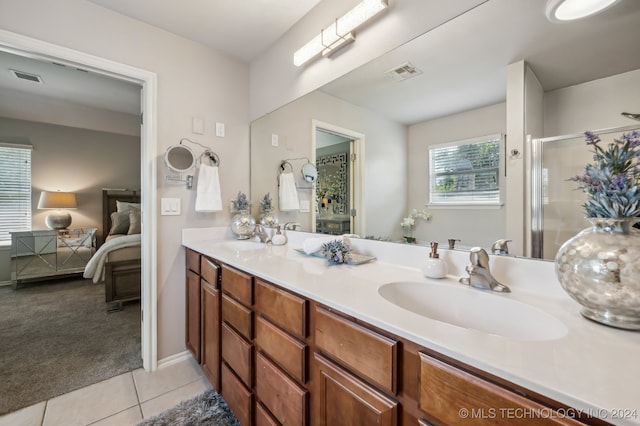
x,y
500,247
479,273
291,226
261,233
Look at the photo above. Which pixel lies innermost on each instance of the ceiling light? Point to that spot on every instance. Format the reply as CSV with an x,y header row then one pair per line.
x,y
340,33
569,10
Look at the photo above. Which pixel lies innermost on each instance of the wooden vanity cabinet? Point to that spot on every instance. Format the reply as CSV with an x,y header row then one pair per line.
x,y
237,343
192,308
281,359
202,309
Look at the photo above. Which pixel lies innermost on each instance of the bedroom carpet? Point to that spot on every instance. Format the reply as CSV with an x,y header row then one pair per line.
x,y
206,409
56,336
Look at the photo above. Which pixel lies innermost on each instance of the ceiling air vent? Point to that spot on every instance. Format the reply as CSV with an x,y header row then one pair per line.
x,y
403,72
26,76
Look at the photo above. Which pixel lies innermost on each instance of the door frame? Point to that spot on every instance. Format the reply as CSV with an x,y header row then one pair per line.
x,y
37,49
357,225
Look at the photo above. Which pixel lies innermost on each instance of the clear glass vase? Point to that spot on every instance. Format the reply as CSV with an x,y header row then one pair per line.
x,y
268,218
600,269
243,224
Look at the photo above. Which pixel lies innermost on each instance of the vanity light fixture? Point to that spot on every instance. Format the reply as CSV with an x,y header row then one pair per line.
x,y
340,33
570,10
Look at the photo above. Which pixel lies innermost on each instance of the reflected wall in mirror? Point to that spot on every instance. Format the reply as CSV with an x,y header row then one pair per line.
x,y
586,72
179,158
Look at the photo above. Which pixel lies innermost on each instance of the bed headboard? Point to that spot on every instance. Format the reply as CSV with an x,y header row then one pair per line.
x,y
109,198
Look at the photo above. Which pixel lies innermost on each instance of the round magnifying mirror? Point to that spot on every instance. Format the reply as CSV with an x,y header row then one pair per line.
x,y
309,173
179,158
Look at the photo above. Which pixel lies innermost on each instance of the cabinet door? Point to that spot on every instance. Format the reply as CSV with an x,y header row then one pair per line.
x,y
343,399
210,336
192,332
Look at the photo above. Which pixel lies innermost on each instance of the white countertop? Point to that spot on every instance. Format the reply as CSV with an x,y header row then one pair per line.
x,y
593,367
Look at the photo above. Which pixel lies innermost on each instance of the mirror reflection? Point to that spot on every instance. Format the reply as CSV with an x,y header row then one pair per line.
x,y
585,75
179,158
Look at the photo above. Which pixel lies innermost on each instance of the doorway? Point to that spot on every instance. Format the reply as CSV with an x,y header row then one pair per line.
x,y
25,46
338,194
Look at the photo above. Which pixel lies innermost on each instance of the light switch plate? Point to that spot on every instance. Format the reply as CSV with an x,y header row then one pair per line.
x,y
274,140
170,206
197,126
220,130
304,206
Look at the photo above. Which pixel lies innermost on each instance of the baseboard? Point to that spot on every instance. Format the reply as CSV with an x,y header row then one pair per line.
x,y
3,283
174,359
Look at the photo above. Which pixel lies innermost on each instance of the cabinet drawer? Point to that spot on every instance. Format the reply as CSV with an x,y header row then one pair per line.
x,y
192,260
446,390
238,285
363,351
282,396
237,316
282,308
209,271
287,351
344,400
237,352
239,398
263,417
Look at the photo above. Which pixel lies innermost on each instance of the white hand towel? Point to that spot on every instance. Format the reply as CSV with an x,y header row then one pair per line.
x,y
208,197
312,245
288,192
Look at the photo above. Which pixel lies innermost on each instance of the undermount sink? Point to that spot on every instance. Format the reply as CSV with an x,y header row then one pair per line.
x,y
244,245
475,309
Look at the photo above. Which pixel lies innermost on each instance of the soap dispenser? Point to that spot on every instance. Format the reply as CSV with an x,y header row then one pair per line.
x,y
278,239
434,267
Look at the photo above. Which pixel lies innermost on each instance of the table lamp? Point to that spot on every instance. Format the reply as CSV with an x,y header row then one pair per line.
x,y
60,219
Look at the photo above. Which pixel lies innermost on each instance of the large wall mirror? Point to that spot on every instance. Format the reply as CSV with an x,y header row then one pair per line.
x,y
450,84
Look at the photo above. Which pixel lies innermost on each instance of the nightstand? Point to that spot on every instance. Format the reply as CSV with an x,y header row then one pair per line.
x,y
48,253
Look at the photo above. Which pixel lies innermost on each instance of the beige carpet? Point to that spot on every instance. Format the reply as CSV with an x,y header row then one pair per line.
x,y
57,336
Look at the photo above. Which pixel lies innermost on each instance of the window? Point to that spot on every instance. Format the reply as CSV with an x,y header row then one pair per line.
x,y
15,189
465,172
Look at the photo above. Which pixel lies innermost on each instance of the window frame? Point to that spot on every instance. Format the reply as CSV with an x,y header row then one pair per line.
x,y
467,202
23,198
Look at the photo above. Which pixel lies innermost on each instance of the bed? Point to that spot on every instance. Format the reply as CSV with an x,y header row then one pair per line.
x,y
118,258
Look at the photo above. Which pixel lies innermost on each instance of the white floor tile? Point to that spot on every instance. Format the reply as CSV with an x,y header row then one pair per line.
x,y
151,385
90,404
170,399
129,417
28,416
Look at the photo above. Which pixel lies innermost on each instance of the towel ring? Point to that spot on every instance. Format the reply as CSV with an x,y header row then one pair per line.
x,y
285,163
212,156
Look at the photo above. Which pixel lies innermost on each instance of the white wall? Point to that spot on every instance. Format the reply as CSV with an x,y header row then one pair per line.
x,y
75,160
385,156
275,81
486,224
24,106
193,81
592,105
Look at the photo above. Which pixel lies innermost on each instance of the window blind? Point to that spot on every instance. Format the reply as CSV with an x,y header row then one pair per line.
x,y
15,189
466,172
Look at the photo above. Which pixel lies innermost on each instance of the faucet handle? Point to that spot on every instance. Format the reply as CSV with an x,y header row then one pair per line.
x,y
479,257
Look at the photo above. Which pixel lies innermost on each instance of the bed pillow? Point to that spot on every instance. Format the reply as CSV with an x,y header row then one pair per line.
x,y
134,221
123,206
119,223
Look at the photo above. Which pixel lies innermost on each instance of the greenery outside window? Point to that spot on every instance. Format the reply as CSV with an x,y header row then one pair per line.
x,y
466,172
15,189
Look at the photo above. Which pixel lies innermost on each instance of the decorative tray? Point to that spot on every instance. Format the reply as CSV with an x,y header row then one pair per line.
x,y
356,259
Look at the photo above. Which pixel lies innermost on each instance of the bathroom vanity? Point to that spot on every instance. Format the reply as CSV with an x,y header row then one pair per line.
x,y
288,340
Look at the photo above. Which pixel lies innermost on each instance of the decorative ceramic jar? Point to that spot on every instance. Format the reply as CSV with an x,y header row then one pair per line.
x,y
243,224
268,218
600,269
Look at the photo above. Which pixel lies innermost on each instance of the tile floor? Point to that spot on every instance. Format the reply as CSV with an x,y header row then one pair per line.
x,y
120,401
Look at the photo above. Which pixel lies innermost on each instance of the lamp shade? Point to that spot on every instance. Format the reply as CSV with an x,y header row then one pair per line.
x,y
57,200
